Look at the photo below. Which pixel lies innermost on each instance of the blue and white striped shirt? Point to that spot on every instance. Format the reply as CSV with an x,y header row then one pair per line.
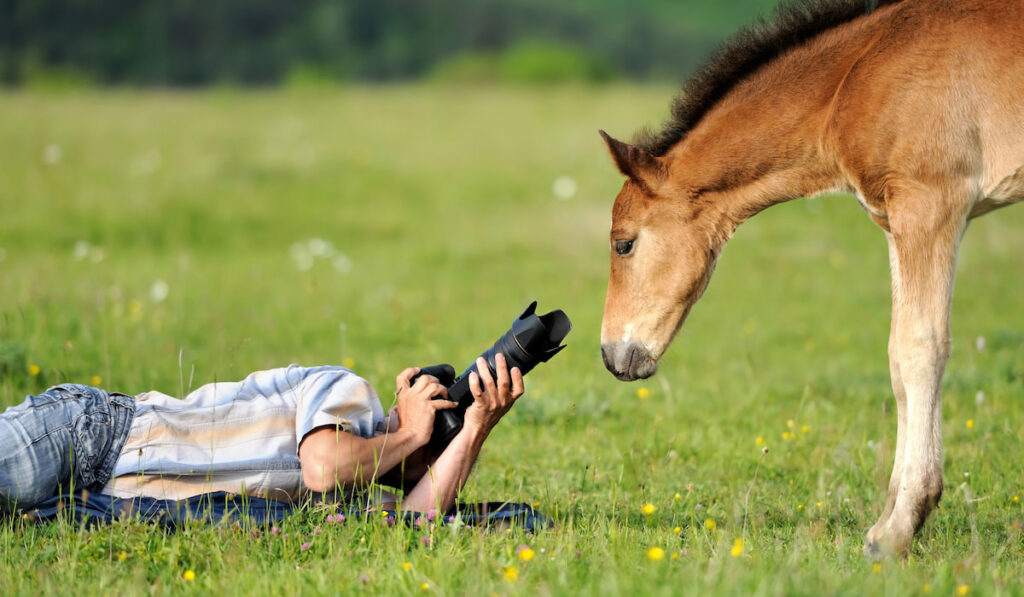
x,y
242,436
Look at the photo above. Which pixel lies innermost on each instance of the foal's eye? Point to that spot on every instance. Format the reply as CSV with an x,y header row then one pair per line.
x,y
623,247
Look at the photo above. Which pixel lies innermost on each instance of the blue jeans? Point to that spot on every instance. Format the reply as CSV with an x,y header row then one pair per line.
x,y
68,437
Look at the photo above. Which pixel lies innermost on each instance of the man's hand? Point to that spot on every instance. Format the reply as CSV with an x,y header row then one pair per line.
x,y
415,407
492,397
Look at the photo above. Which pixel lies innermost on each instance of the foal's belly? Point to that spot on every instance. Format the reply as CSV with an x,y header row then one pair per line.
x,y
1009,190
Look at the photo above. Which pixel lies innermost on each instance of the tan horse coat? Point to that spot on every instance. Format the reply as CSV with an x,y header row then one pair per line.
x,y
916,108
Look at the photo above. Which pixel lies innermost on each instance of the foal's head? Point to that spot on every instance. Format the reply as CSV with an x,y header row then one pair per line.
x,y
664,246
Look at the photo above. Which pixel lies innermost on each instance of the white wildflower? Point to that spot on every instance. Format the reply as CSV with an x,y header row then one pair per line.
x,y
300,255
318,247
564,188
52,154
342,264
159,291
81,250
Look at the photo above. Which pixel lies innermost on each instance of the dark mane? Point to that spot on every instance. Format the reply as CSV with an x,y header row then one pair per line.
x,y
794,24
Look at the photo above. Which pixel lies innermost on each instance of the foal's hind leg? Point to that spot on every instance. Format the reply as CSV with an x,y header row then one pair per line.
x,y
926,232
898,391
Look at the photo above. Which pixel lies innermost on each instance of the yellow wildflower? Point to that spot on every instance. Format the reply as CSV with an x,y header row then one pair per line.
x,y
122,556
95,380
737,548
655,554
677,497
787,435
970,423
348,362
406,566
876,568
425,586
526,554
1016,499
759,441
805,428
963,590
790,423
643,393
820,504
33,370
648,509
709,524
510,573
799,506
189,575
675,555
677,530
926,588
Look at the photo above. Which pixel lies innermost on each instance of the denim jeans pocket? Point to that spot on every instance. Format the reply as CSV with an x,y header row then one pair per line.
x,y
91,436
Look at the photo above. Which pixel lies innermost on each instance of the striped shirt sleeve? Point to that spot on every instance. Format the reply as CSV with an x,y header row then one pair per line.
x,y
338,397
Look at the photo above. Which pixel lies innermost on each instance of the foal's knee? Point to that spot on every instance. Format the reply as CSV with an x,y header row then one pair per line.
x,y
944,346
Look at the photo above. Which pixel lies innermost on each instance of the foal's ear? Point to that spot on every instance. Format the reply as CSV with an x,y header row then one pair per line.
x,y
634,162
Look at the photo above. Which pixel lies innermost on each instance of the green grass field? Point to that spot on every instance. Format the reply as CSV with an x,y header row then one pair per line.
x,y
165,240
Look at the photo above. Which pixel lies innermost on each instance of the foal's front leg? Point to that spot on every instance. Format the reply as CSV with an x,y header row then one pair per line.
x,y
926,252
898,391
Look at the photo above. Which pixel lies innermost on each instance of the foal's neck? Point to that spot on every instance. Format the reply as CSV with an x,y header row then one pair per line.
x,y
765,141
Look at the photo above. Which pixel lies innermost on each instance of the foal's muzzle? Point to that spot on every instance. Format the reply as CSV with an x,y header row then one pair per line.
x,y
628,361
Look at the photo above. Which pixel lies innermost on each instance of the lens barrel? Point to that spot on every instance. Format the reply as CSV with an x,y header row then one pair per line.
x,y
532,339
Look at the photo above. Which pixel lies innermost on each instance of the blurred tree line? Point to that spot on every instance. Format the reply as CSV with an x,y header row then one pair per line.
x,y
265,42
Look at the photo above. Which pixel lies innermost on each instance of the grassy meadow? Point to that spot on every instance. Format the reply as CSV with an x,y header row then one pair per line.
x,y
163,240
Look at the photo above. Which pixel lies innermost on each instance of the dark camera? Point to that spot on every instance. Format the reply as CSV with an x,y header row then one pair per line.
x,y
532,339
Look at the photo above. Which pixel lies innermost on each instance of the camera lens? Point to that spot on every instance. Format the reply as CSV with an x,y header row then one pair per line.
x,y
532,339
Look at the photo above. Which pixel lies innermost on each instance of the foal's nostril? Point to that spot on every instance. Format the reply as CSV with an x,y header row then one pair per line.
x,y
607,355
640,364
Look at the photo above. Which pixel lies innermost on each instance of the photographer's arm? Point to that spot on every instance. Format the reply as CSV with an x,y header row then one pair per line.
x,y
331,457
439,487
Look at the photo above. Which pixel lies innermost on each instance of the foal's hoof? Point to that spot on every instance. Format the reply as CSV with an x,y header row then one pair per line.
x,y
884,543
874,551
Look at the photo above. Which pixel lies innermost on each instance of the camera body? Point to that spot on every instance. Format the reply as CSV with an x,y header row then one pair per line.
x,y
531,340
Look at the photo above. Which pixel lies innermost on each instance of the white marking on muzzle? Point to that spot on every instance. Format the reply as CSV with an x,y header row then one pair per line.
x,y
628,333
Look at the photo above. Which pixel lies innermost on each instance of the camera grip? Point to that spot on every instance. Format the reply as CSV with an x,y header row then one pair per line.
x,y
444,373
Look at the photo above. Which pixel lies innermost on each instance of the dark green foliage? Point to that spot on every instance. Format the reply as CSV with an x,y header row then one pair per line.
x,y
49,43
525,62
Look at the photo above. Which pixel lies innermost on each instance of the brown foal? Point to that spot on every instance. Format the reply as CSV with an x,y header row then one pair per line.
x,y
916,107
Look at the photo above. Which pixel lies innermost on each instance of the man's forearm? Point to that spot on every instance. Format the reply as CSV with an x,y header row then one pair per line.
x,y
378,455
441,484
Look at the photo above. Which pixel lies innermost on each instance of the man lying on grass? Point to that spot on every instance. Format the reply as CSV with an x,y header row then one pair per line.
x,y
276,434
